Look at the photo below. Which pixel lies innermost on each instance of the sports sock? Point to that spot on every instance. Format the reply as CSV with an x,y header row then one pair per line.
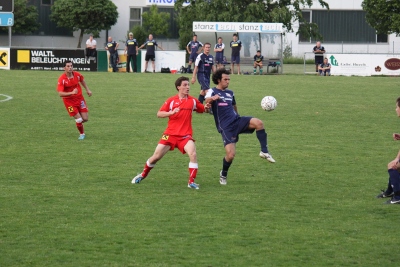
x,y
255,70
192,171
79,125
389,188
147,169
394,177
225,167
201,98
262,138
261,70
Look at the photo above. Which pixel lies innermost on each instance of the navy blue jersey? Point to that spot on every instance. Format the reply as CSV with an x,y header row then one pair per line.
x,y
258,59
223,111
319,56
151,47
219,54
204,63
236,46
323,65
131,45
194,46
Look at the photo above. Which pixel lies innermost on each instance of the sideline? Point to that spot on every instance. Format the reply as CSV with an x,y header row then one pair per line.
x,y
7,98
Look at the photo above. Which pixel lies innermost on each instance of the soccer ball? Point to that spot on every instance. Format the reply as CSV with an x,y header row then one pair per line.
x,y
269,103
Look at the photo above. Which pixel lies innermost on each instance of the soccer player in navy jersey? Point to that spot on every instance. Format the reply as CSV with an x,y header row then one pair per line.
x,y
236,46
193,48
319,52
179,110
230,124
204,65
258,62
393,189
219,53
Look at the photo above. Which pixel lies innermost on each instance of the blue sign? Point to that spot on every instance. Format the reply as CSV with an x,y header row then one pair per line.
x,y
6,19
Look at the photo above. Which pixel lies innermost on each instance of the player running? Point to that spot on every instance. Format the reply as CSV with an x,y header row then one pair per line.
x,y
71,92
203,66
178,109
229,124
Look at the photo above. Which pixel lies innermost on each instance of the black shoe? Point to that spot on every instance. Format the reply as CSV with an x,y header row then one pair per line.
x,y
384,194
393,201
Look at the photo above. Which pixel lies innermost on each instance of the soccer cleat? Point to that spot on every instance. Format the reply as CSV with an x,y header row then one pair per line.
x,y
384,194
393,201
222,179
81,137
193,185
267,157
138,178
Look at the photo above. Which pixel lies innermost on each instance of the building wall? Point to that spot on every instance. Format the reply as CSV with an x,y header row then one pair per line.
x,y
119,31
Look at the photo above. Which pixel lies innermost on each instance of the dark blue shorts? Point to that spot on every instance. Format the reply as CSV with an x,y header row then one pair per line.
x,y
235,59
204,81
231,134
219,60
193,57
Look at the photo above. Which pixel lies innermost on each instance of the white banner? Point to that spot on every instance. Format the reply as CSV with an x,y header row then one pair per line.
x,y
165,59
364,64
165,2
201,26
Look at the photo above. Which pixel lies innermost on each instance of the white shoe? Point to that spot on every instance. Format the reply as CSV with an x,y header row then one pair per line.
x,y
137,179
267,157
222,179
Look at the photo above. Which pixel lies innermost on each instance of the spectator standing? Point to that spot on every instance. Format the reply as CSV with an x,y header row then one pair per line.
x,y
236,46
194,48
91,48
112,47
219,53
150,52
319,52
131,50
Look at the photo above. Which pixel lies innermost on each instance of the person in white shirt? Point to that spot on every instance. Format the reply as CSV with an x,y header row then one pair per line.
x,y
91,48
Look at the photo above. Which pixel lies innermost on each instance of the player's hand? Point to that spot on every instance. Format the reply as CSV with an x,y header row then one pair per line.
x,y
193,80
75,91
396,136
176,110
216,97
89,92
393,163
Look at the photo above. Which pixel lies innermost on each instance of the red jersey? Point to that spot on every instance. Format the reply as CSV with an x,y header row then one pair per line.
x,y
180,123
66,84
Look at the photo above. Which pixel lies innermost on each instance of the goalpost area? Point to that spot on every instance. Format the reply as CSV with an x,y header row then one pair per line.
x,y
266,37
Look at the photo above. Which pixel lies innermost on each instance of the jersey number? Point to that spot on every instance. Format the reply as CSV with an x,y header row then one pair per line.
x,y
165,137
70,109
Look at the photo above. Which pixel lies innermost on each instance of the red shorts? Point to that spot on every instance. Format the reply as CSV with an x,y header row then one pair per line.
x,y
175,141
75,106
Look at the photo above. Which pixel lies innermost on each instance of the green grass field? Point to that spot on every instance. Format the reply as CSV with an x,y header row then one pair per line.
x,y
66,202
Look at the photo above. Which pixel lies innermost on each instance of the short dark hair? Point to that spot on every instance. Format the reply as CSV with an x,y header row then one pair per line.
x,y
219,38
207,44
217,75
179,81
398,102
235,34
194,35
258,51
66,62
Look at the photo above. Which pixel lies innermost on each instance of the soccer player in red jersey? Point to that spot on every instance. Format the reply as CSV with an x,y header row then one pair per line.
x,y
179,110
70,90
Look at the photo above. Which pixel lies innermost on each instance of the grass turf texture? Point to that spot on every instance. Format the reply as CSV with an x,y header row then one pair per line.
x,y
66,202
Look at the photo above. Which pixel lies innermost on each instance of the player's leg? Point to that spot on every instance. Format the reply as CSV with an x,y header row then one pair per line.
x,y
153,63
230,152
261,134
79,125
128,63
232,64
394,180
159,152
190,149
238,64
255,67
260,67
189,67
134,63
203,86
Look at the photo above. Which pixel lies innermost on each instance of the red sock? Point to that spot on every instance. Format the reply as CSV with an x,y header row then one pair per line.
x,y
80,127
147,169
192,171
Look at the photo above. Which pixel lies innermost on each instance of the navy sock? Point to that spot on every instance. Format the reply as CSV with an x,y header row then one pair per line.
x,y
389,188
394,178
201,98
262,137
225,167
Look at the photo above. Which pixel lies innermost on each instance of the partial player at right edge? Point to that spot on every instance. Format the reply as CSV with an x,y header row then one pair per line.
x,y
229,124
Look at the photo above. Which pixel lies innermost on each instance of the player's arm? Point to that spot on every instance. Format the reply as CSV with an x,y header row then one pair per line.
x,y
216,49
86,88
166,114
116,45
214,69
235,108
200,108
188,48
126,47
393,163
196,69
159,46
64,94
209,98
396,136
200,48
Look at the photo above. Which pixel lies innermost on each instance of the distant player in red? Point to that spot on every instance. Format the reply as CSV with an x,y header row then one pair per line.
x,y
70,90
179,110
